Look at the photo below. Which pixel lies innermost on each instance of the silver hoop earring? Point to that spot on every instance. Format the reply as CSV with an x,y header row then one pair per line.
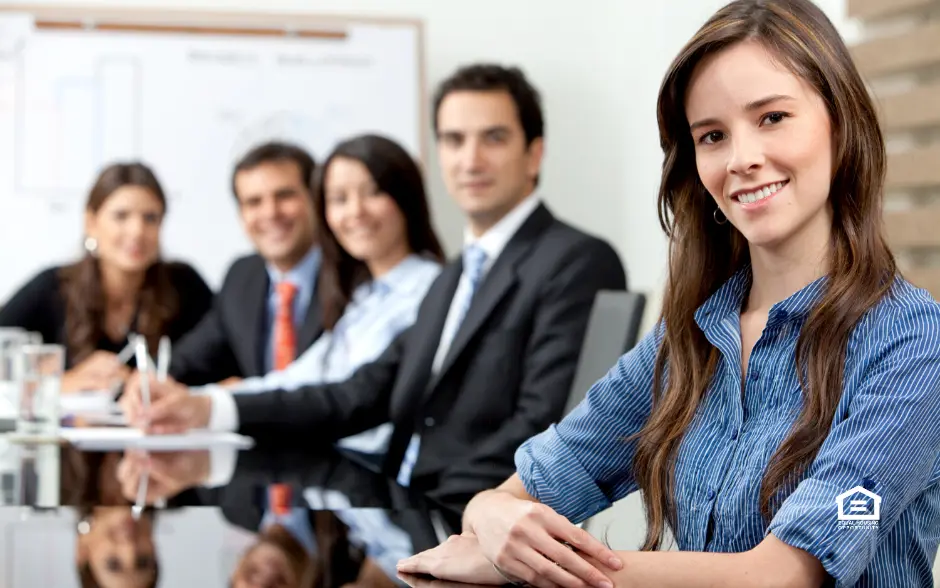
x,y
91,245
723,220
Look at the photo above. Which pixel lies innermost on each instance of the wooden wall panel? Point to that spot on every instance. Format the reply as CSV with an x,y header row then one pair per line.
x,y
918,228
917,168
912,117
872,9
913,49
911,110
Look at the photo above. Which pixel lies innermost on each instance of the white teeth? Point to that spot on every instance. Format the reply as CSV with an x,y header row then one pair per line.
x,y
760,194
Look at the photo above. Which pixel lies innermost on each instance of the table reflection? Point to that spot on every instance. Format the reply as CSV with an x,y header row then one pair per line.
x,y
114,548
69,520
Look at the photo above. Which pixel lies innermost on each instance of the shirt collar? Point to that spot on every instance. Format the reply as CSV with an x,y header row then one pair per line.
x,y
493,241
301,275
404,277
729,299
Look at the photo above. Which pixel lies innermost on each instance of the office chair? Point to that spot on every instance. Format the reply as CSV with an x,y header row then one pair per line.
x,y
613,329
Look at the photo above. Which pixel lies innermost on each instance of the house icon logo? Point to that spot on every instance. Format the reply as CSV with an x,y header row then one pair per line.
x,y
859,504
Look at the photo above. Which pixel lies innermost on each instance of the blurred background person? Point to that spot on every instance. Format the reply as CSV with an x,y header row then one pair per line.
x,y
267,302
120,286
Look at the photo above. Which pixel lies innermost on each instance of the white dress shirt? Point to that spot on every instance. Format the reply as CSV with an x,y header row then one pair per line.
x,y
492,242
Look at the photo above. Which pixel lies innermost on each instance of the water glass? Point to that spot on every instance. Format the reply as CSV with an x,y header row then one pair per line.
x,y
12,340
39,370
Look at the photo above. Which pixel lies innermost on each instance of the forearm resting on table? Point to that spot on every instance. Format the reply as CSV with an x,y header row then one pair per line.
x,y
512,486
772,564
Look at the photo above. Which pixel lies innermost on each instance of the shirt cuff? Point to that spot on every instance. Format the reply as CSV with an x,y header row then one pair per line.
x,y
552,474
223,416
809,520
222,462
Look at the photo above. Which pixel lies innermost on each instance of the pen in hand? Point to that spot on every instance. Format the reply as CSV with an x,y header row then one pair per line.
x,y
143,367
163,359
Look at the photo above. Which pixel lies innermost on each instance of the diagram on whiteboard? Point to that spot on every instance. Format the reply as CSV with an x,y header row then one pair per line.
x,y
74,101
67,129
308,131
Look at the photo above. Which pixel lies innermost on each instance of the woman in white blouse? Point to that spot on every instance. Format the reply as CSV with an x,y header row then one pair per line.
x,y
380,256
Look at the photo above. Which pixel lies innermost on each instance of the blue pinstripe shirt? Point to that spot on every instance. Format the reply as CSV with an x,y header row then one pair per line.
x,y
885,438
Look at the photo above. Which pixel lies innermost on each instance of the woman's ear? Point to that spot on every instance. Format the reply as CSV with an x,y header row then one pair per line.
x,y
90,219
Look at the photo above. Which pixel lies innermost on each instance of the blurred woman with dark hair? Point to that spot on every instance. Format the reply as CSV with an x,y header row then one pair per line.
x,y
120,286
380,257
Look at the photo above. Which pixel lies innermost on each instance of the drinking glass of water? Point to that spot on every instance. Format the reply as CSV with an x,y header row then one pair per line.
x,y
11,340
39,378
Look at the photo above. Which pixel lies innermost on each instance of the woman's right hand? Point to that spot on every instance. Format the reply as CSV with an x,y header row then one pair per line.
x,y
99,371
526,541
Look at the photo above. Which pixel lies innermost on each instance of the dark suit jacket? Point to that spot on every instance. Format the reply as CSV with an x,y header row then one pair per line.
x,y
506,377
230,340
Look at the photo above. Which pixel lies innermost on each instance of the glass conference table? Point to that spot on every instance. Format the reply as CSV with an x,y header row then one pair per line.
x,y
74,519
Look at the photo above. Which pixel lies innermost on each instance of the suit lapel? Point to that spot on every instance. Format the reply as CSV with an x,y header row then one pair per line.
x,y
254,341
429,331
495,286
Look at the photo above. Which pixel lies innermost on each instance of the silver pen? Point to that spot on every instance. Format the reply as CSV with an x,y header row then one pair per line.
x,y
143,367
163,359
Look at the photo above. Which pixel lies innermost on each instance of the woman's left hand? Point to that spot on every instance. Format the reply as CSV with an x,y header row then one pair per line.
x,y
458,559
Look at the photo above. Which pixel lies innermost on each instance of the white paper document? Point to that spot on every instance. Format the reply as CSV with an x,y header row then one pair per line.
x,y
116,438
97,401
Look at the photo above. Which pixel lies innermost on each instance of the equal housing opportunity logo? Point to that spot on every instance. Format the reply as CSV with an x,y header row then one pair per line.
x,y
859,508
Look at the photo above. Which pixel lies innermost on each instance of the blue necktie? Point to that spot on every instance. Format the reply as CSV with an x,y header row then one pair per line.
x,y
474,258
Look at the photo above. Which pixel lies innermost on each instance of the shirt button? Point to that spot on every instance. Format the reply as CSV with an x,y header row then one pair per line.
x,y
734,435
755,375
429,422
711,494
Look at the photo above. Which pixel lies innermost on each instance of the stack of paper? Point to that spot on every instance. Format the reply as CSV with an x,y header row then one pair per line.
x,y
118,438
98,401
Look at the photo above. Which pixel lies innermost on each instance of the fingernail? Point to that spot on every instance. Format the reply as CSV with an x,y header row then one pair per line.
x,y
615,563
605,584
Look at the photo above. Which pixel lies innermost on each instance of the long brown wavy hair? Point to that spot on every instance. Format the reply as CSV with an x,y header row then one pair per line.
x,y
395,173
85,304
862,268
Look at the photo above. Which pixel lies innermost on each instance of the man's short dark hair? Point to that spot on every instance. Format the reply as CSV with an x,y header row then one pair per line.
x,y
276,151
487,77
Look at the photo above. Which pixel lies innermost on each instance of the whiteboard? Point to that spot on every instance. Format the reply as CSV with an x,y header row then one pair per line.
x,y
189,105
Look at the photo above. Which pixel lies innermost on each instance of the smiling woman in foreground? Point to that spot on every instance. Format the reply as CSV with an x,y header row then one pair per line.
x,y
794,379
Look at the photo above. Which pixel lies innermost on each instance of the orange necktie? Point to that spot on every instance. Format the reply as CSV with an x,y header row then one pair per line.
x,y
285,351
285,339
279,499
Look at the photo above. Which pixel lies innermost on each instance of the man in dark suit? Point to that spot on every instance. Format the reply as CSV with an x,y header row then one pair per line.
x,y
491,358
237,338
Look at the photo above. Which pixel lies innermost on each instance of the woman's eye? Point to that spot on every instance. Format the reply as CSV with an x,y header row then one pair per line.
x,y
775,117
711,138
